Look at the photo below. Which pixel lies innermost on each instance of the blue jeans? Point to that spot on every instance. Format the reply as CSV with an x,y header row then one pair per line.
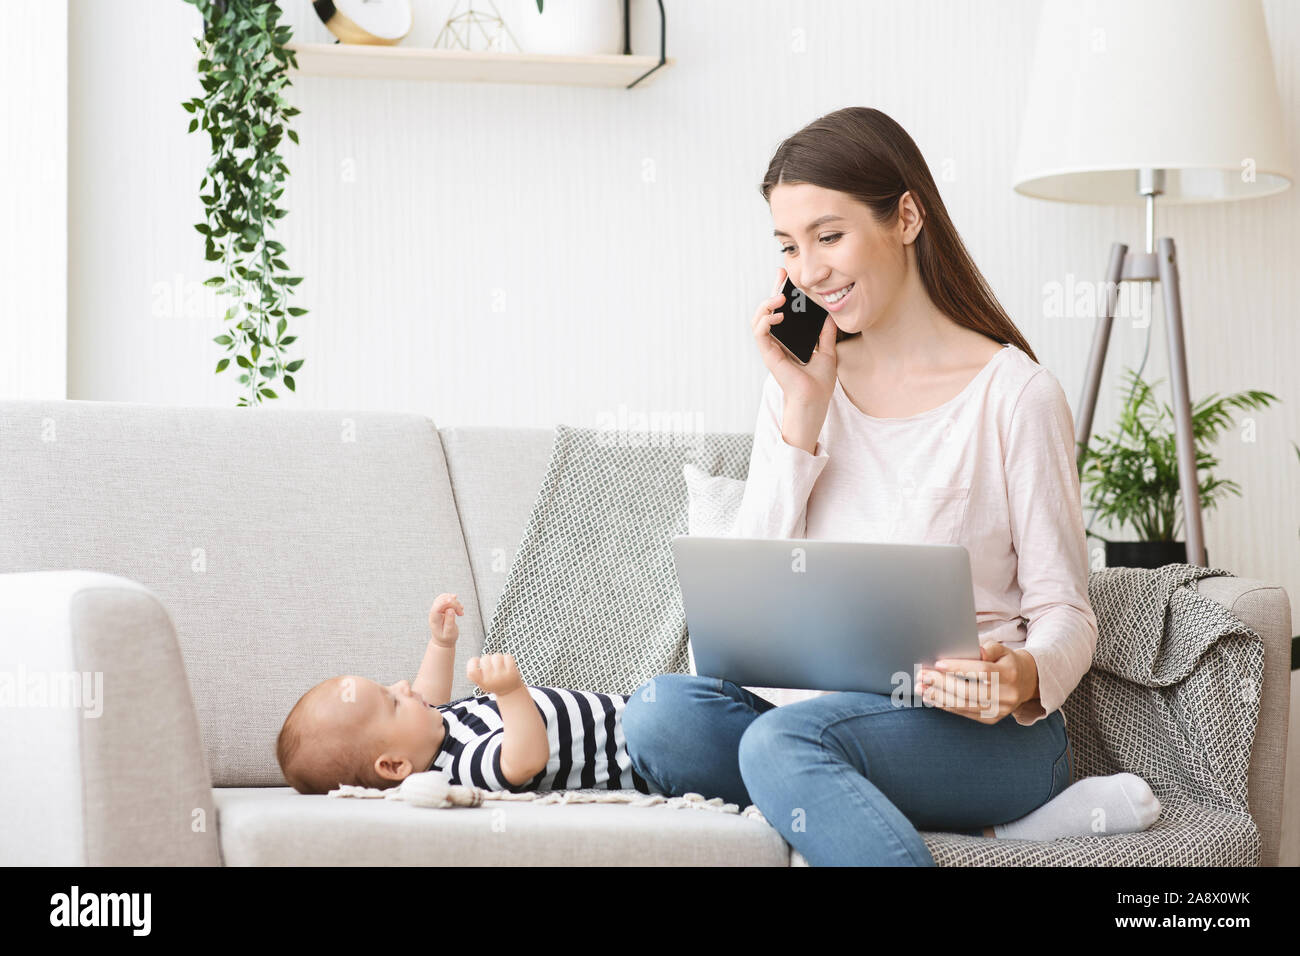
x,y
846,778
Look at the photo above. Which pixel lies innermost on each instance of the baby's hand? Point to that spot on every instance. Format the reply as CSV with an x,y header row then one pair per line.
x,y
442,619
495,673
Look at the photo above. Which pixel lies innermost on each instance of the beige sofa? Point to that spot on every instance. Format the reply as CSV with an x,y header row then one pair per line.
x,y
212,564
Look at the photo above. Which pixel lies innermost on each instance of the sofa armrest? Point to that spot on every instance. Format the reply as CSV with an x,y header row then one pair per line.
x,y
103,760
1266,609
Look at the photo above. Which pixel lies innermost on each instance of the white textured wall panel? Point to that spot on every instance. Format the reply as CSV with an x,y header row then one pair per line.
x,y
33,199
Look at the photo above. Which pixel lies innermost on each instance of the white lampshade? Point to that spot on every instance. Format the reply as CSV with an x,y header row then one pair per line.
x,y
1185,86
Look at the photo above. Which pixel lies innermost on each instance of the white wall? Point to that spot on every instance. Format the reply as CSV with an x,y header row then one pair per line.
x,y
621,234
34,199
526,255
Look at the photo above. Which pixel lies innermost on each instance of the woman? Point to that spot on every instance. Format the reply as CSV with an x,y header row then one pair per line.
x,y
923,416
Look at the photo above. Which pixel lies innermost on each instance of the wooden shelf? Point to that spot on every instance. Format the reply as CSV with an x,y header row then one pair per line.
x,y
467,66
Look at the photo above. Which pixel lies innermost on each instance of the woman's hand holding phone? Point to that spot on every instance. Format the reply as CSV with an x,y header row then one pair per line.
x,y
807,388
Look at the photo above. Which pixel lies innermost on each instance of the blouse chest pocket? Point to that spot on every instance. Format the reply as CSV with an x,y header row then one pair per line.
x,y
930,514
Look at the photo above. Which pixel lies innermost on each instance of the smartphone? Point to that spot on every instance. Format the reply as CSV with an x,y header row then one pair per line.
x,y
801,323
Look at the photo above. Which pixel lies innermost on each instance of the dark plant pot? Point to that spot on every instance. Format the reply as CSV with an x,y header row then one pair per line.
x,y
1146,554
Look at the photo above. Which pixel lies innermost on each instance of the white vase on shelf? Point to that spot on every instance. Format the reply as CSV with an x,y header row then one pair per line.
x,y
569,27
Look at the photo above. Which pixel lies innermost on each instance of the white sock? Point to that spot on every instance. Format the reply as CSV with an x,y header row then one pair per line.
x,y
1095,806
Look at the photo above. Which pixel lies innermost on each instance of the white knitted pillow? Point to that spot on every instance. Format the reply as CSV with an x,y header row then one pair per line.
x,y
714,502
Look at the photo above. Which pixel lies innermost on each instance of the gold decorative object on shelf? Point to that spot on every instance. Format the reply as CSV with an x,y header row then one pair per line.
x,y
459,30
367,22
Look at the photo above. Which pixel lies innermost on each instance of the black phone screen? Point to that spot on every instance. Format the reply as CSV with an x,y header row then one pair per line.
x,y
801,322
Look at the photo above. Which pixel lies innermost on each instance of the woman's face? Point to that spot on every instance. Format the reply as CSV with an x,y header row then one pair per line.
x,y
850,249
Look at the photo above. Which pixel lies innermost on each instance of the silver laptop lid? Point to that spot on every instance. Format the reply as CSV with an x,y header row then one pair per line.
x,y
824,615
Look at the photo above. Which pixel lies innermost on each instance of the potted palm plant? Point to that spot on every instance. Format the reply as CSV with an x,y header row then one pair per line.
x,y
1131,476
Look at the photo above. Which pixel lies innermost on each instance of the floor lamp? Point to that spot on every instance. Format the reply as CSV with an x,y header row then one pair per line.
x,y
1137,101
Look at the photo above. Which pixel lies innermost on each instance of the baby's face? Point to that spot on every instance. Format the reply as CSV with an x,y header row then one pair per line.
x,y
402,729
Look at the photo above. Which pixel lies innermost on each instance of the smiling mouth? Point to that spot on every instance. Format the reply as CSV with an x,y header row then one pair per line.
x,y
839,295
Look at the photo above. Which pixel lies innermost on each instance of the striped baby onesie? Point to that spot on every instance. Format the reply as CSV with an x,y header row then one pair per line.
x,y
584,729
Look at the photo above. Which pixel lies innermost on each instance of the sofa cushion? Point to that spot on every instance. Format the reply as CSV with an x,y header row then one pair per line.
x,y
495,475
275,826
288,546
280,827
1185,830
1197,830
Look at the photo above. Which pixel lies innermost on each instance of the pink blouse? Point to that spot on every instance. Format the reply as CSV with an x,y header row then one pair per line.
x,y
992,469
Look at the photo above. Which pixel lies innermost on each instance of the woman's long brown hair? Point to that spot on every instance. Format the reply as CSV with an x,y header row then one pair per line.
x,y
865,154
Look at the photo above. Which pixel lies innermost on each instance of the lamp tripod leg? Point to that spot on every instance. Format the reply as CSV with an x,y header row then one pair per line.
x,y
1188,478
1097,355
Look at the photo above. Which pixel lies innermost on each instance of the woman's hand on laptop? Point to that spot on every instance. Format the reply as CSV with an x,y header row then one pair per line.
x,y
985,690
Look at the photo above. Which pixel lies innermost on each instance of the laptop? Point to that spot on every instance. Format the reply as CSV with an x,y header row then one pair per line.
x,y
824,615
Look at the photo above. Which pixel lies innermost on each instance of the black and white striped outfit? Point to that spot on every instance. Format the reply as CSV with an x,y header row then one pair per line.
x,y
584,730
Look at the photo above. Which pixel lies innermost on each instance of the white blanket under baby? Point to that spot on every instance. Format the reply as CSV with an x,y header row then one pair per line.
x,y
431,788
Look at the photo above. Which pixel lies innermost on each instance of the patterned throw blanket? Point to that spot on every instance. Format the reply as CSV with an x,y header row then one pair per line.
x,y
592,601
1173,696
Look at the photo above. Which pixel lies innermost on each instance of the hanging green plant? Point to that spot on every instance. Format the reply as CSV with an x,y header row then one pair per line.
x,y
243,66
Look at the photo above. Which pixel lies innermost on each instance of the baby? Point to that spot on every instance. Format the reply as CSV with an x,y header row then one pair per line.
x,y
351,730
